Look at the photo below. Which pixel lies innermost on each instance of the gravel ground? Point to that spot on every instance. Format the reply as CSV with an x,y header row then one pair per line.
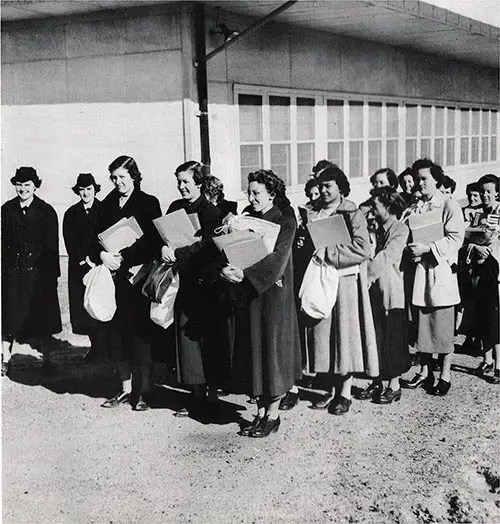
x,y
66,460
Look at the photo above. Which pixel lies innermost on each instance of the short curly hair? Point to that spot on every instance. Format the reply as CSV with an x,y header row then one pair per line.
x,y
333,172
390,199
197,170
312,182
128,163
489,179
389,173
213,189
407,172
435,169
319,166
275,186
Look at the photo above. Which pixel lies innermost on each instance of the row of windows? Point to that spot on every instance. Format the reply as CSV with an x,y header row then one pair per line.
x,y
290,133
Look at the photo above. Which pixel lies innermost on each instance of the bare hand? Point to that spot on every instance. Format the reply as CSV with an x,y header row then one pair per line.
x,y
111,261
482,252
417,250
168,254
232,274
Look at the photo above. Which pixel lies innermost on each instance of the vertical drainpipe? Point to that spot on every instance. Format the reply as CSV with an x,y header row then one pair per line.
x,y
201,81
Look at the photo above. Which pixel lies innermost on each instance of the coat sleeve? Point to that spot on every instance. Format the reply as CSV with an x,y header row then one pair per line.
x,y
145,248
70,239
270,269
454,232
347,255
48,263
390,255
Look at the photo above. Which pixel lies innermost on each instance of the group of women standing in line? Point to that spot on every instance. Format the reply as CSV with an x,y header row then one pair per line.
x,y
241,329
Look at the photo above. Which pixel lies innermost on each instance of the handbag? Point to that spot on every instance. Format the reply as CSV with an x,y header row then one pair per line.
x,y
158,281
99,298
163,313
318,292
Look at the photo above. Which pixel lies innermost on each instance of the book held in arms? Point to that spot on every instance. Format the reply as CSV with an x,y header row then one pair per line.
x,y
329,231
177,229
120,235
426,227
268,231
484,229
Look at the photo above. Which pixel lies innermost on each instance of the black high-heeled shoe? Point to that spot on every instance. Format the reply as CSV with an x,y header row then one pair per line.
x,y
442,388
388,396
266,427
371,392
483,369
418,381
248,430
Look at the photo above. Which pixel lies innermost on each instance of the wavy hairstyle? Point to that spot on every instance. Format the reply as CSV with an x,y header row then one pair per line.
x,y
389,173
390,199
274,184
197,170
128,163
333,172
435,169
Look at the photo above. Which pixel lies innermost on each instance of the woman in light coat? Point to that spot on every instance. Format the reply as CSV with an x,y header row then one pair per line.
x,y
435,285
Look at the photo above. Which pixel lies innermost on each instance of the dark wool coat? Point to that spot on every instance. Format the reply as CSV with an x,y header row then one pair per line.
x,y
30,269
79,231
131,330
266,355
198,317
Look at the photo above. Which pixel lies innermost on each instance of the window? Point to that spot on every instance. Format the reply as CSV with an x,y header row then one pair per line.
x,y
335,132
374,137
425,132
494,132
464,136
305,137
411,131
474,143
355,139
450,134
251,135
439,135
279,118
392,133
485,134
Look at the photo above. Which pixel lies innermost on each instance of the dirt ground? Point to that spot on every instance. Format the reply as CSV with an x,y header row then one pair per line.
x,y
66,460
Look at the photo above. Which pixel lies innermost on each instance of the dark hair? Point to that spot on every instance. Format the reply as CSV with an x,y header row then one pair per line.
x,y
407,172
473,186
435,169
489,179
333,172
196,169
322,164
274,184
390,199
449,183
391,176
213,188
312,182
128,163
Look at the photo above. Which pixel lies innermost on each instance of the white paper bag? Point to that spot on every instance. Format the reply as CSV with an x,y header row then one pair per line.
x,y
99,298
318,292
163,313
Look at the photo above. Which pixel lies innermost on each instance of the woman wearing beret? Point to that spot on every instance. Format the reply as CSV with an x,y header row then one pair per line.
x,y
131,333
30,267
79,231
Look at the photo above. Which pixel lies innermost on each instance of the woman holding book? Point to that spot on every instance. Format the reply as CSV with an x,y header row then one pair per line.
x,y
199,321
344,343
131,333
265,342
432,270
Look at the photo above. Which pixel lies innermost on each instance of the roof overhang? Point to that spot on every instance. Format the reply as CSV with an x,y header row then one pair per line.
x,y
411,24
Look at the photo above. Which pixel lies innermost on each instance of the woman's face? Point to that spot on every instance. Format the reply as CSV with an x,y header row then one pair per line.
x,y
330,192
426,182
380,212
313,193
259,197
87,194
381,180
489,194
187,187
25,190
408,184
474,198
122,181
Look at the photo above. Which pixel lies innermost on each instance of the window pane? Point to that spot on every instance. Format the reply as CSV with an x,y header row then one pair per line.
x,y
374,120
464,150
392,120
475,122
305,118
484,149
493,155
494,130
251,160
426,121
280,117
392,154
355,159
450,152
464,122
374,155
474,150
336,153
486,122
438,151
439,121
425,148
411,151
335,109
250,107
411,120
280,161
305,161
450,126
356,119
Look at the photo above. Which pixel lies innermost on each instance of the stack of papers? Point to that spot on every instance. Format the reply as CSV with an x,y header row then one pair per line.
x,y
426,227
242,248
268,231
120,235
178,229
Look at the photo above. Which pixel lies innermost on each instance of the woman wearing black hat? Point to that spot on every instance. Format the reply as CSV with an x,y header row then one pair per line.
x,y
79,230
30,267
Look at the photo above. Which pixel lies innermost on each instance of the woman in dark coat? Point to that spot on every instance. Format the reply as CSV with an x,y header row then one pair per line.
x,y
79,231
30,267
198,316
131,332
266,348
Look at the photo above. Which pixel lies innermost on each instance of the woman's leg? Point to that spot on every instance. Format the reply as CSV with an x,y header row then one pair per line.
x,y
7,350
125,376
146,378
446,367
346,387
272,410
394,383
344,401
